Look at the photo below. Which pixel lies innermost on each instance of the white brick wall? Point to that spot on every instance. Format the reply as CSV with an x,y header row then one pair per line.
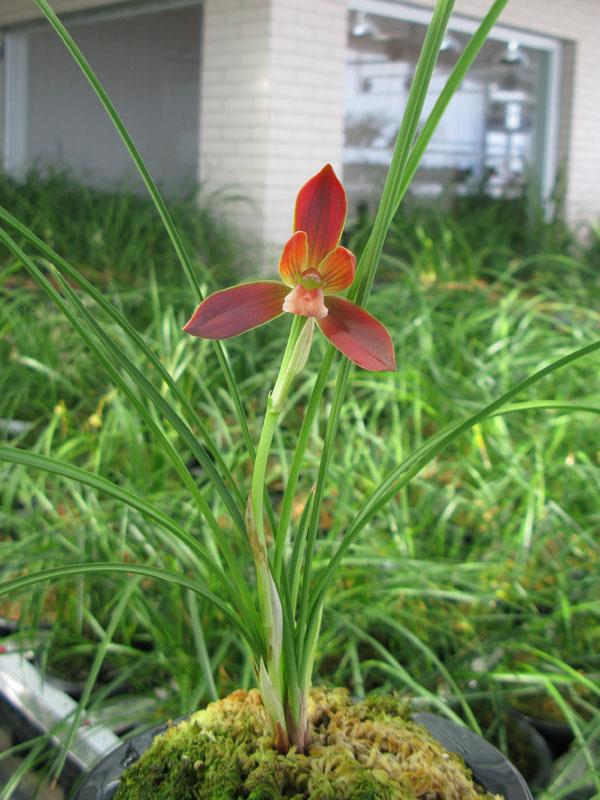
x,y
234,103
271,103
294,53
306,100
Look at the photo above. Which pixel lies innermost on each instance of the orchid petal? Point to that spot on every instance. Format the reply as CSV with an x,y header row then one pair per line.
x,y
293,258
321,208
358,335
238,309
337,270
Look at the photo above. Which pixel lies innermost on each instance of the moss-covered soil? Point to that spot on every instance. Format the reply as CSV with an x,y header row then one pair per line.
x,y
359,751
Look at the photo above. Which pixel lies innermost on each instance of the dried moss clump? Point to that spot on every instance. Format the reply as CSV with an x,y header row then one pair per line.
x,y
360,751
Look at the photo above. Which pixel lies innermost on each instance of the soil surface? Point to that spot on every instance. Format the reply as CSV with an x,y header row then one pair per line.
x,y
368,750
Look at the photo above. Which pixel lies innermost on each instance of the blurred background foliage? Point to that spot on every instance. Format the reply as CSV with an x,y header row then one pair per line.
x,y
476,589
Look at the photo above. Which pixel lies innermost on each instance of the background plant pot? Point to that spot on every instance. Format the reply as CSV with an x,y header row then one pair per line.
x,y
585,793
103,779
532,755
558,735
490,768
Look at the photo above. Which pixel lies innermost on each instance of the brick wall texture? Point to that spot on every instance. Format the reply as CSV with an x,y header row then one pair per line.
x,y
272,101
292,53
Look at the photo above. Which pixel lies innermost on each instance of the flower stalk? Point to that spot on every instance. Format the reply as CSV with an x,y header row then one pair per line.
x,y
270,676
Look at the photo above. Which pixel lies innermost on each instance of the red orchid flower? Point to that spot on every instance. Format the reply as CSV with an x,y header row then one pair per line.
x,y
313,268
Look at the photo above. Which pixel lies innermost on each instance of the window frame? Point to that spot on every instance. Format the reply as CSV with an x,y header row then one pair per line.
x,y
553,48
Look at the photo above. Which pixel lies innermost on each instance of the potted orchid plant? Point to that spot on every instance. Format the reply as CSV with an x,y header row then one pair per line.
x,y
283,739
314,268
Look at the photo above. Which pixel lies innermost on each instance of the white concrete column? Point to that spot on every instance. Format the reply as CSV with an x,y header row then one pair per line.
x,y
272,105
306,100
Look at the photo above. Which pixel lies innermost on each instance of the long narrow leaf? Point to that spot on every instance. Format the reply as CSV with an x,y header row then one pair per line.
x,y
455,78
200,643
155,573
297,461
157,199
399,177
430,654
369,260
391,195
14,455
93,673
149,391
202,456
104,358
474,46
584,749
403,473
394,668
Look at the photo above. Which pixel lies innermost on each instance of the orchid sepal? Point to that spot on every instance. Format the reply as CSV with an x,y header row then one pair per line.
x,y
320,211
358,335
238,309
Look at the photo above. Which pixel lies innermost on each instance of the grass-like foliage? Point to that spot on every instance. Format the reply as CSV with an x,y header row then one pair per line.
x,y
473,467
115,234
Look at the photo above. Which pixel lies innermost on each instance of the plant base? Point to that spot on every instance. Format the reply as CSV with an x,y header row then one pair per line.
x,y
368,750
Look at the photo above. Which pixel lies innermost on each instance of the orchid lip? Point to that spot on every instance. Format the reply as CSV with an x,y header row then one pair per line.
x,y
305,302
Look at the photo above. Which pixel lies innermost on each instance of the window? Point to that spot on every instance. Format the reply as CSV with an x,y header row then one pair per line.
x,y
498,131
147,57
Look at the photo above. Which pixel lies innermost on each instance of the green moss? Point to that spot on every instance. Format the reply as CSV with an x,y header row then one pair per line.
x,y
385,705
359,751
186,764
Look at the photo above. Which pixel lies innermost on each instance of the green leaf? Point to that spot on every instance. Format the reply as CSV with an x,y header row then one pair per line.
x,y
53,466
154,573
368,262
93,673
157,199
406,471
203,457
393,667
455,78
392,190
401,183
105,351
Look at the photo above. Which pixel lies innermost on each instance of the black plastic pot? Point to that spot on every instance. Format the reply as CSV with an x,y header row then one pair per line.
x,y
490,768
585,793
558,735
535,754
